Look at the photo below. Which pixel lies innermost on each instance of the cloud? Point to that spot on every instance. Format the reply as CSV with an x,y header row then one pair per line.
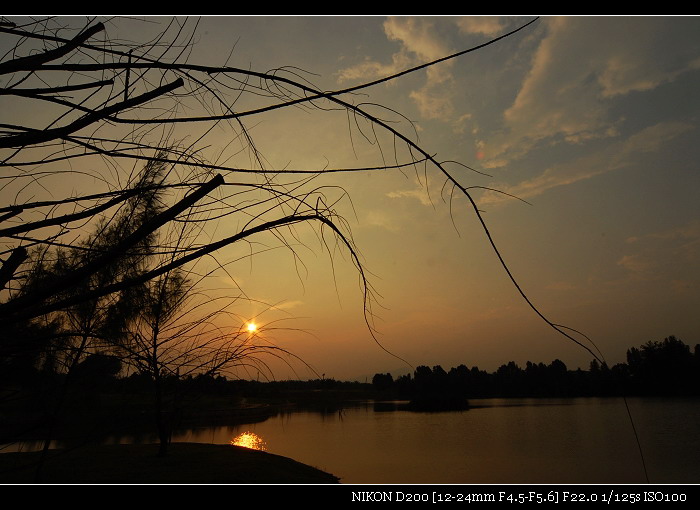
x,y
287,305
689,232
370,69
419,43
670,256
432,103
635,263
380,219
459,125
485,25
420,192
417,35
617,155
579,66
230,281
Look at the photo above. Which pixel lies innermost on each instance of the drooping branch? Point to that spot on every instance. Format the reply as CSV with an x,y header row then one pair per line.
x,y
284,91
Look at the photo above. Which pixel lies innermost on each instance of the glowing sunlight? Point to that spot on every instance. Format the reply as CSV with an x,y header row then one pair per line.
x,y
249,440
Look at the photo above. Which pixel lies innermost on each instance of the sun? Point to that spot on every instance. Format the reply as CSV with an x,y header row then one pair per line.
x,y
252,327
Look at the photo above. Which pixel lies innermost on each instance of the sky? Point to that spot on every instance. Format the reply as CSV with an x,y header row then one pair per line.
x,y
592,122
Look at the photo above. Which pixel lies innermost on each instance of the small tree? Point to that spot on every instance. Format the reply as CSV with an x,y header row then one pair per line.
x,y
111,107
172,336
122,93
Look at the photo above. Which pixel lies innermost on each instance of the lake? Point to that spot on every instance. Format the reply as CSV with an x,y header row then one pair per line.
x,y
505,441
500,441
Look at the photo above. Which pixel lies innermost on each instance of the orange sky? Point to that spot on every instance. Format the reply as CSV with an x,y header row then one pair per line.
x,y
593,121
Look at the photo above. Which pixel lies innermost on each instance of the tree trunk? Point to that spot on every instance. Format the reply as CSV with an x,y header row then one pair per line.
x,y
161,417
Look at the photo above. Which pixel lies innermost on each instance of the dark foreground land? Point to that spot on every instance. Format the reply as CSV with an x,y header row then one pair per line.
x,y
186,463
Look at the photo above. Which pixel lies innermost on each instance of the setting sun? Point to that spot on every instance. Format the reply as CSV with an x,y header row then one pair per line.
x,y
252,327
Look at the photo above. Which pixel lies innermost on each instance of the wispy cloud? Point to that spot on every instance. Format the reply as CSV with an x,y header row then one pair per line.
x,y
575,73
635,263
419,192
380,219
287,305
419,43
619,154
689,232
670,256
485,25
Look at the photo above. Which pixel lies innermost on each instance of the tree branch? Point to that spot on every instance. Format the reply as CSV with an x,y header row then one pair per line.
x,y
36,137
33,62
116,252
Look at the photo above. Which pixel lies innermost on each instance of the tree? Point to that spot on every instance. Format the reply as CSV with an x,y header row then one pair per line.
x,y
662,368
83,327
174,336
110,108
382,382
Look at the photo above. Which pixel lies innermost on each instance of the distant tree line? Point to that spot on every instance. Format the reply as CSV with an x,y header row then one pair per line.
x,y
666,368
101,393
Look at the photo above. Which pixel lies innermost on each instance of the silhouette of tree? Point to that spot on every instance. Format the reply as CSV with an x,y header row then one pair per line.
x,y
662,368
176,334
110,108
60,275
557,378
460,381
509,380
109,103
656,368
382,382
91,128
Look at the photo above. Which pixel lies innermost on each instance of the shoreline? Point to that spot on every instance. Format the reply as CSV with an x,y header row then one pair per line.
x,y
186,463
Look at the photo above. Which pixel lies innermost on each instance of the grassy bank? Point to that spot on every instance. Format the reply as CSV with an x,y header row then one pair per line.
x,y
186,463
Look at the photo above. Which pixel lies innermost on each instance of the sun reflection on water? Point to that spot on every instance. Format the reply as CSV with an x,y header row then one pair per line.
x,y
249,440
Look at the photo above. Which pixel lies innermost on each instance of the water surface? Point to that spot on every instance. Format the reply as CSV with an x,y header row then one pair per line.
x,y
500,441
506,441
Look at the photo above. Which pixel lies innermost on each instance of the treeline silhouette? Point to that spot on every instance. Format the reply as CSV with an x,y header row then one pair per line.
x,y
666,368
101,394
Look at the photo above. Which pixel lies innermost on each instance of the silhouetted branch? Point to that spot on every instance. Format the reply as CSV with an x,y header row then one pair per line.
x,y
291,89
37,137
54,90
9,267
67,218
33,62
30,312
117,251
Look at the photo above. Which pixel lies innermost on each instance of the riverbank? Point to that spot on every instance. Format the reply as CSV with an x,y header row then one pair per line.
x,y
186,463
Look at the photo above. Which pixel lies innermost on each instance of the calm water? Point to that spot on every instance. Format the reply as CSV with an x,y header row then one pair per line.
x,y
510,441
506,441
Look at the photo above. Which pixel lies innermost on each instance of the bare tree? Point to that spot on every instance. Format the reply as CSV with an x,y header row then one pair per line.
x,y
111,106
34,155
104,109
171,329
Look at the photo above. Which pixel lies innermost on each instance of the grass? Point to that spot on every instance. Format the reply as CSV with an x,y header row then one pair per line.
x,y
186,463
